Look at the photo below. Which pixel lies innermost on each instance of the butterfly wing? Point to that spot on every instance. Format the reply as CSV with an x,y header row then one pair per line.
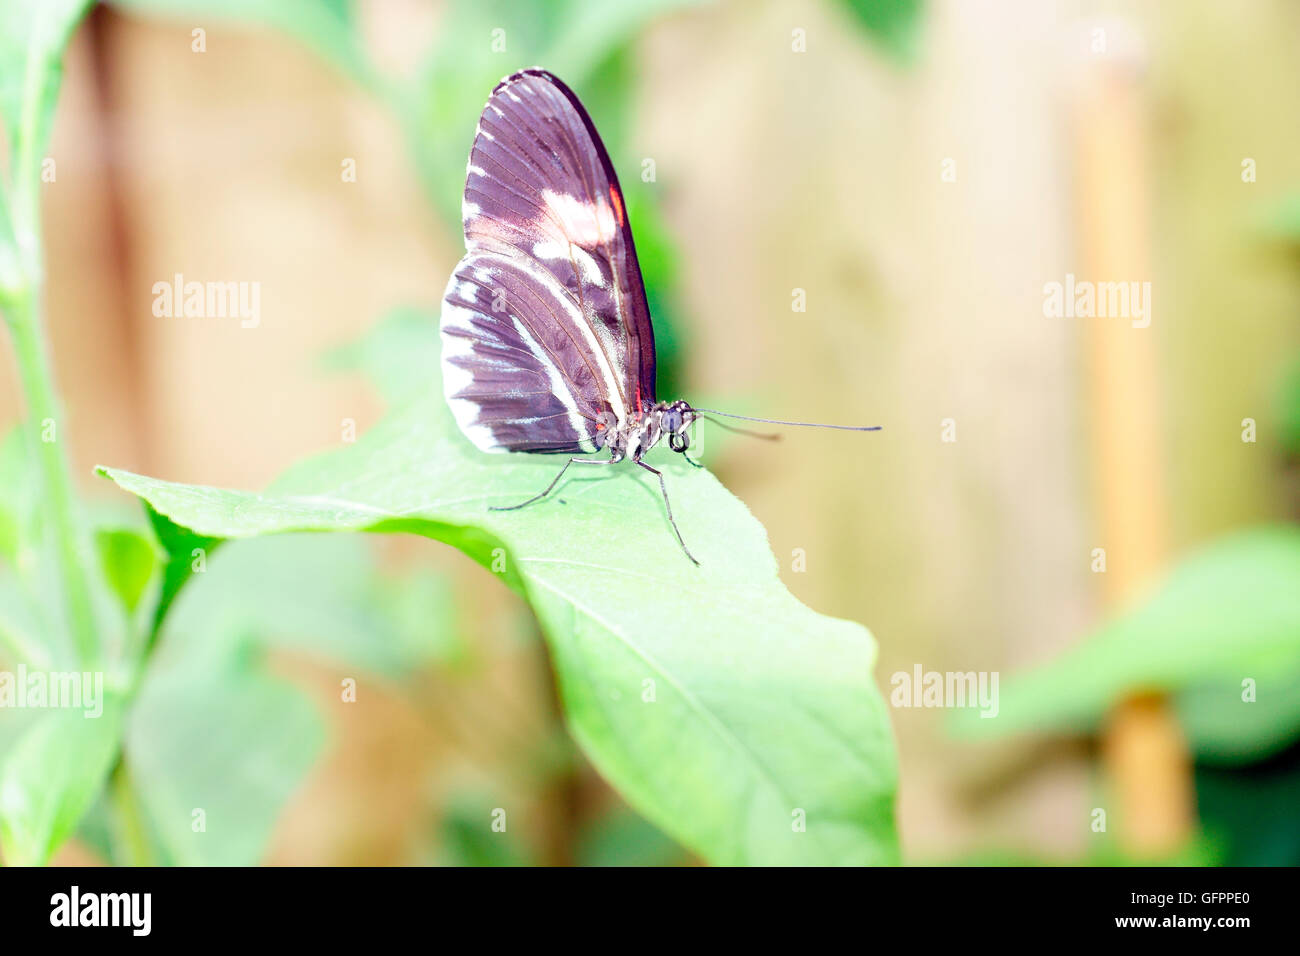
x,y
545,325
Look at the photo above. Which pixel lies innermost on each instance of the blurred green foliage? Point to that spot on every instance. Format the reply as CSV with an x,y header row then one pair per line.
x,y
1281,221
895,24
323,598
52,771
1221,637
465,840
1221,634
623,838
214,746
1199,851
33,34
208,682
1250,810
1291,413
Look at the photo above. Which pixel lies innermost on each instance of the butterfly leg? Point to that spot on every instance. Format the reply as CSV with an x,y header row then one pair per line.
x,y
664,488
554,481
688,457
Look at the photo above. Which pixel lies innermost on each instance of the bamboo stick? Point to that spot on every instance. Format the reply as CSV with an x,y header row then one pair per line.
x,y
1144,755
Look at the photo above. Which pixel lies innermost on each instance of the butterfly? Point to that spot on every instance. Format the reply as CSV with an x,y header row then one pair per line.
x,y
547,341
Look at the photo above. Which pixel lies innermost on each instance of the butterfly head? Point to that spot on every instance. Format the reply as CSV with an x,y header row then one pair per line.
x,y
633,437
674,420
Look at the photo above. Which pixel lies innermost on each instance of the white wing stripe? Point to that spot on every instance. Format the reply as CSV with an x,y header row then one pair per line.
x,y
547,282
559,387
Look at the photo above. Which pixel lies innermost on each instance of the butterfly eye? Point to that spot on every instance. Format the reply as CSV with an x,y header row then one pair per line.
x,y
672,420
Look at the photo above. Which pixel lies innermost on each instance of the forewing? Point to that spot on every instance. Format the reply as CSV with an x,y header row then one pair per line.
x,y
545,227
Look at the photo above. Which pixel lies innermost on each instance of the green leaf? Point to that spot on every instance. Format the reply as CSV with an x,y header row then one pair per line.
x,y
320,596
50,777
894,24
1225,729
1227,615
186,551
216,804
722,709
128,559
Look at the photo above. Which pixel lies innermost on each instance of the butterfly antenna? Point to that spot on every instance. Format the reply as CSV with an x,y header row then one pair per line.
x,y
777,421
766,436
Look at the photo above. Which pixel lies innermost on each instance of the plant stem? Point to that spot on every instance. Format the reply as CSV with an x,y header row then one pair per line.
x,y
22,312
130,842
